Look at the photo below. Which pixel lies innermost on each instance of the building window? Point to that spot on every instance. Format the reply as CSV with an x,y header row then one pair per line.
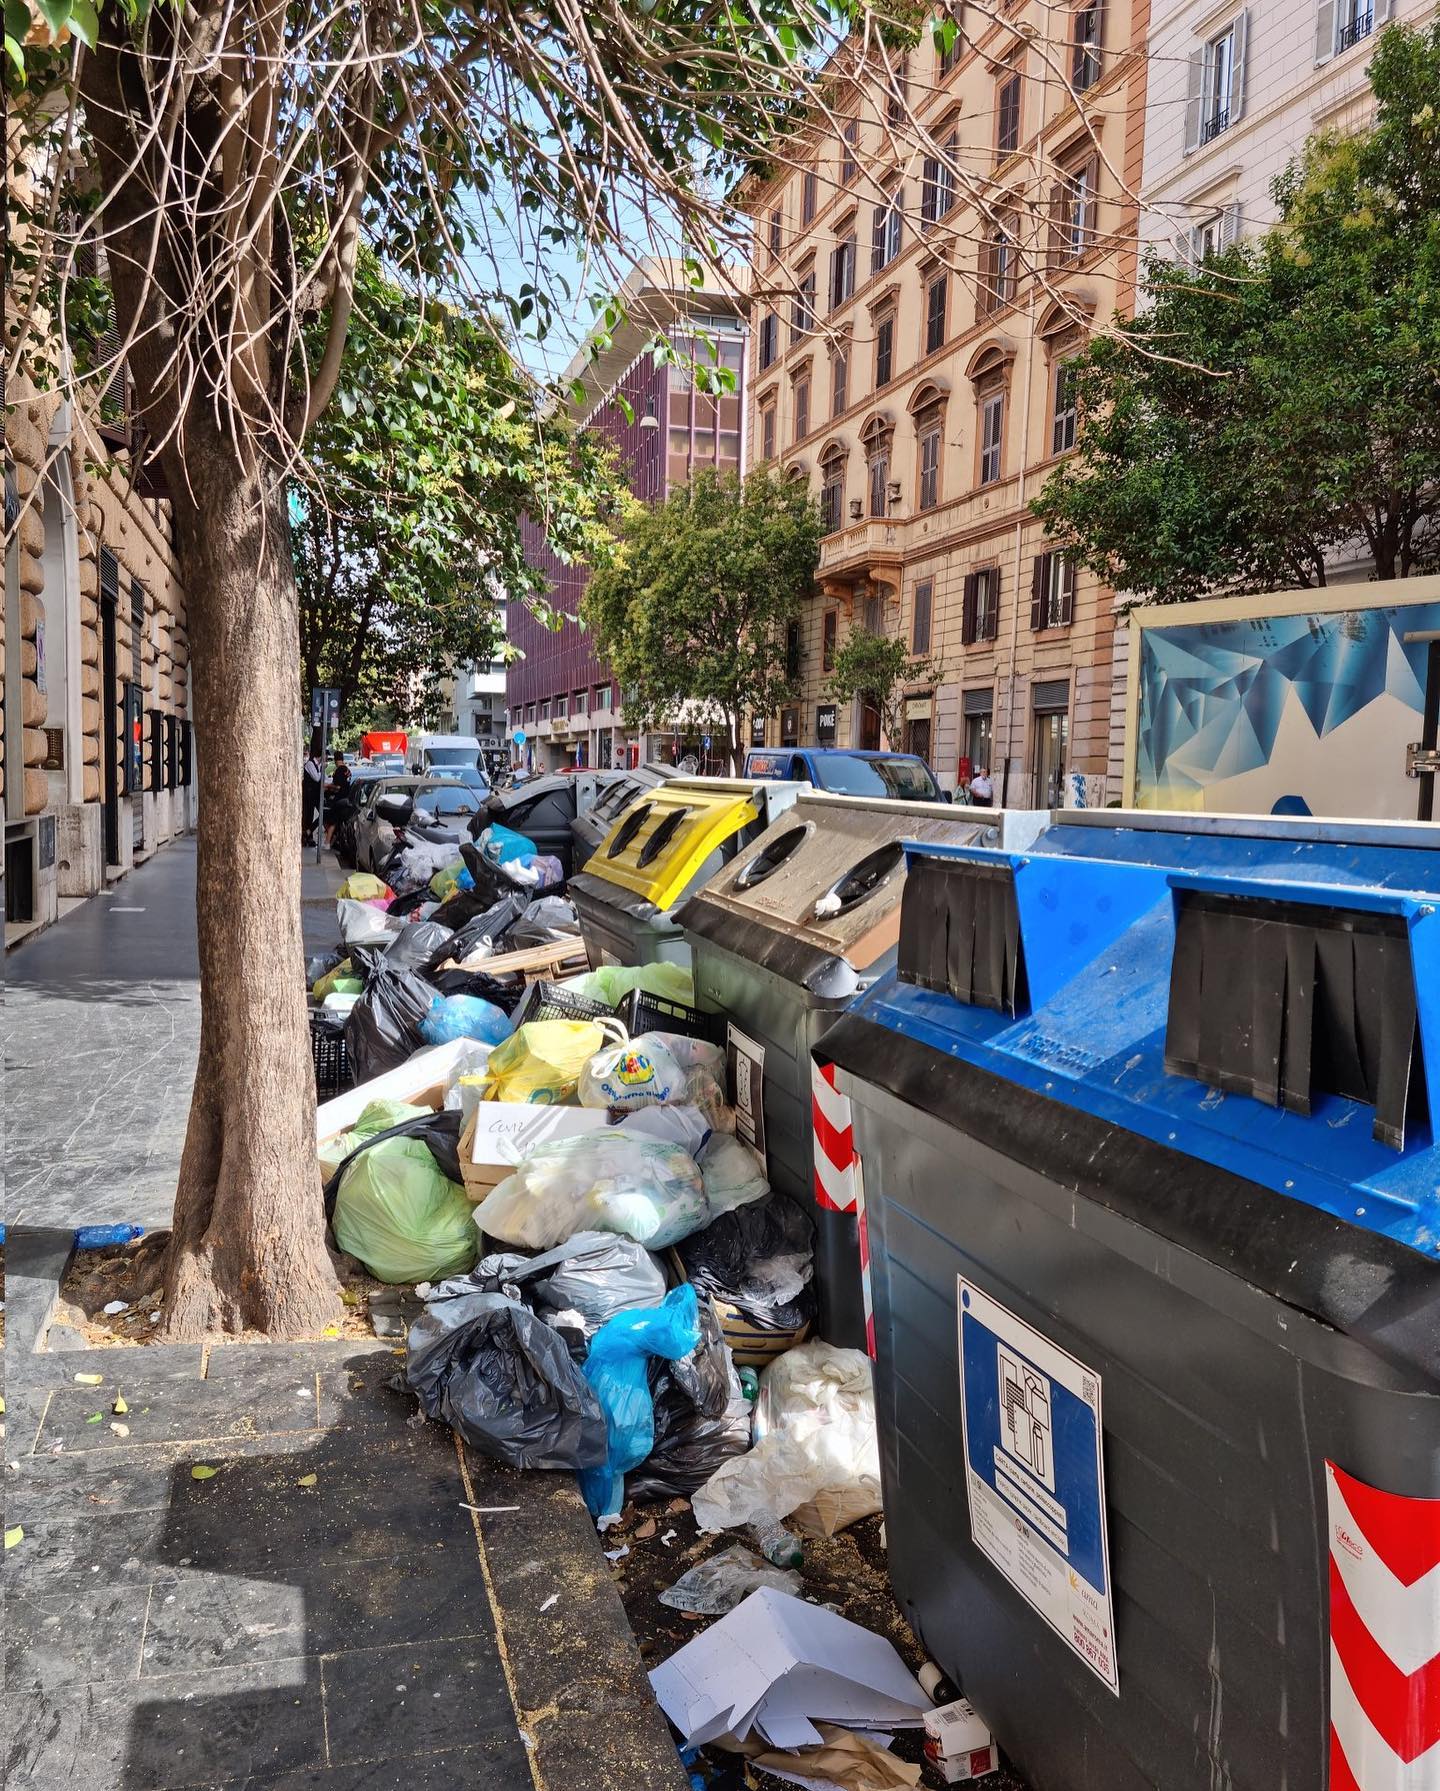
x,y
600,697
1354,19
809,195
580,702
832,490
950,46
980,607
979,728
935,295
777,219
545,710
1072,212
992,433
1062,428
998,264
931,435
769,339
886,233
562,707
802,408
920,620
1007,112
792,649
873,615
899,82
937,186
1216,95
879,478
829,629
849,162
842,271
1050,750
1213,236
884,352
767,432
839,380
802,308
1052,593
1085,49
790,727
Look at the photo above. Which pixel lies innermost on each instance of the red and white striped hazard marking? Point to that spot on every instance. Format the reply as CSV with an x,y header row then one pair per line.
x,y
1384,1638
839,1180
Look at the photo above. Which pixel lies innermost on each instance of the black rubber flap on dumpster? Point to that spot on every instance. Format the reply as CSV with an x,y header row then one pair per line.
x,y
1282,1000
960,932
1358,1282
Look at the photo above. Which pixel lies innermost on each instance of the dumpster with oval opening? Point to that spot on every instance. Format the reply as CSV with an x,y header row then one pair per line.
x,y
544,809
592,824
783,940
658,852
1145,1126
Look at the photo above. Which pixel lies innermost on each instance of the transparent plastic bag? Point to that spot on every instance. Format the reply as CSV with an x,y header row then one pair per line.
x,y
816,1458
732,1174
611,983
715,1586
601,1181
636,1073
402,1217
360,924
617,1368
464,1017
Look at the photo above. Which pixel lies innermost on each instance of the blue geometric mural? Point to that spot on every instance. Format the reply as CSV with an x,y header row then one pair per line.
x,y
1212,694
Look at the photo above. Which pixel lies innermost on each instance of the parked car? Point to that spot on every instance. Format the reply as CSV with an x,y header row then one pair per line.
x,y
901,776
388,806
362,776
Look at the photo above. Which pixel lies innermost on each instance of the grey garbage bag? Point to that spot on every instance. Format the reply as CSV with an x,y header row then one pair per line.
x,y
383,1027
702,1417
547,920
576,1286
501,1378
418,945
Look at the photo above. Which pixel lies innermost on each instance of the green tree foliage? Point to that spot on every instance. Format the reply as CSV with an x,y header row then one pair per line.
x,y
407,532
696,610
1282,400
880,669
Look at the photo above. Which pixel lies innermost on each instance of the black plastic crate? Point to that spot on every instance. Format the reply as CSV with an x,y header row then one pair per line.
x,y
643,1012
548,1001
327,1048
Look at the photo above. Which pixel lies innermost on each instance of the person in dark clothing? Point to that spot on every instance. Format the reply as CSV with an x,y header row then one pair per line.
x,y
339,797
310,793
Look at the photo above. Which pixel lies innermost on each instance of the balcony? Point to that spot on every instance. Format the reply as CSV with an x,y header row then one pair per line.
x,y
1360,26
1211,127
876,538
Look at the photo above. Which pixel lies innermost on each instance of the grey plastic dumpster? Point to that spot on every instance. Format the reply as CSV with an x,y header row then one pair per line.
x,y
1144,1126
658,852
592,824
783,939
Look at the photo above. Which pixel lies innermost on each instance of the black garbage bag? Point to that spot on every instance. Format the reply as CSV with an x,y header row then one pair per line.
x,y
383,1027
761,1258
492,922
549,920
503,991
702,1417
418,945
501,1378
440,1131
578,1285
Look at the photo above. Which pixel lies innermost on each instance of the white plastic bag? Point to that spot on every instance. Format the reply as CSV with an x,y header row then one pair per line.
x,y
816,1458
420,861
686,1126
731,1173
638,1072
465,1080
360,924
602,1181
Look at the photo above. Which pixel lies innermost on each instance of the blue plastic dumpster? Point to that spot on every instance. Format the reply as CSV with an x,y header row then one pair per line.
x,y
1144,1122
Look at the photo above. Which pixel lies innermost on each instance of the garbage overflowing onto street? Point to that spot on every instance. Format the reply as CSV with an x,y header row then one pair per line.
x,y
552,1155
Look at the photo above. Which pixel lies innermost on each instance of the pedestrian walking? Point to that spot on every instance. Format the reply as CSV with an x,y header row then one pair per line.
x,y
310,793
982,791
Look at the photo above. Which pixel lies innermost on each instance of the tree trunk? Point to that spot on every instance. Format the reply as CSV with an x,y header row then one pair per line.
x,y
249,1249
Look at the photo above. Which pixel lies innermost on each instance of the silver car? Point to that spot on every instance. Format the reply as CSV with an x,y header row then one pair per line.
x,y
387,806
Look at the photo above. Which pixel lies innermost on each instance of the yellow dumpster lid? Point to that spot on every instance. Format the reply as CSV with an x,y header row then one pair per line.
x,y
657,847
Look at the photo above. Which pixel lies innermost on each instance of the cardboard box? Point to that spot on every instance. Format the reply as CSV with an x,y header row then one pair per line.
x,y
958,1745
501,1134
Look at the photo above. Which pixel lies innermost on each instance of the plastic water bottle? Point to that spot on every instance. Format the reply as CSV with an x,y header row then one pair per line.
x,y
750,1384
780,1547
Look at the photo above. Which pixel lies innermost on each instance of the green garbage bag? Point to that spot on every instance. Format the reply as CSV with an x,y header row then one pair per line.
x,y
611,983
379,1116
403,1218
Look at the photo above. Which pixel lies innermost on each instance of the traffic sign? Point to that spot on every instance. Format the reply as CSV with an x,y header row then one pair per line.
x,y
518,736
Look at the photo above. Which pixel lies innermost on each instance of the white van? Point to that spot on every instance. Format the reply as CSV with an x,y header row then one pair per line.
x,y
445,755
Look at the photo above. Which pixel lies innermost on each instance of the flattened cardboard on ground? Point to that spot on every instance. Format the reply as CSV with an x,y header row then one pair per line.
x,y
778,1665
420,1080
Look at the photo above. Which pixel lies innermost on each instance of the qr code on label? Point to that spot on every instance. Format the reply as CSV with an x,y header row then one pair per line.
x,y
1089,1390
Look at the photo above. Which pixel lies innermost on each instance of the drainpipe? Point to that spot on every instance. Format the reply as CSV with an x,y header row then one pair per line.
x,y
1019,538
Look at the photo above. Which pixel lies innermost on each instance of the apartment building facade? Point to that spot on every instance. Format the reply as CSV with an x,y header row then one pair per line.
x,y
928,260
560,694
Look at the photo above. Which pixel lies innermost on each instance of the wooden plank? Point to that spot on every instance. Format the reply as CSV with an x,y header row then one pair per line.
x,y
534,957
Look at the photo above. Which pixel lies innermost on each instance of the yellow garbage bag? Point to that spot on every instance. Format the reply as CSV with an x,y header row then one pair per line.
x,y
360,886
541,1062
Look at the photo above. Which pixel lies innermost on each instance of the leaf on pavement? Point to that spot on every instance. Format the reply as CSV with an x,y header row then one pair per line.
x,y
119,1406
89,1380
307,1480
14,1536
94,1418
201,1472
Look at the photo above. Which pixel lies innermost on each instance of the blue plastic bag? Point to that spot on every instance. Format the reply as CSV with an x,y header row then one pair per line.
x,y
464,1017
499,845
617,1369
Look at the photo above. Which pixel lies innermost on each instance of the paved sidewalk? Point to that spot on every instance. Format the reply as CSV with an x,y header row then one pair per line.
x,y
102,1025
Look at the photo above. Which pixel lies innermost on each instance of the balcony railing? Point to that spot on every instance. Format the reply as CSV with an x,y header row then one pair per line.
x,y
1218,121
1360,26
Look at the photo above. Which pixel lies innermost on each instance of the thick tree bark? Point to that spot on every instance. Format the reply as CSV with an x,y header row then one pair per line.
x,y
249,1247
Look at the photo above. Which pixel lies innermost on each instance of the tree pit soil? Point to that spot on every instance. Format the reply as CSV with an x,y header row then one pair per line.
x,y
134,1274
846,1572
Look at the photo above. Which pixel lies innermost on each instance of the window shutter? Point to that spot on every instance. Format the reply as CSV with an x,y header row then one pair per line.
x,y
1067,593
897,222
1230,225
968,608
1241,31
1324,30
1057,221
985,299
1099,39
1194,100
109,576
1384,9
877,240
1038,573
930,190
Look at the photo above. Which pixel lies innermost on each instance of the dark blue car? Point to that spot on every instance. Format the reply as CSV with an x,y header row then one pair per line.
x,y
901,776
